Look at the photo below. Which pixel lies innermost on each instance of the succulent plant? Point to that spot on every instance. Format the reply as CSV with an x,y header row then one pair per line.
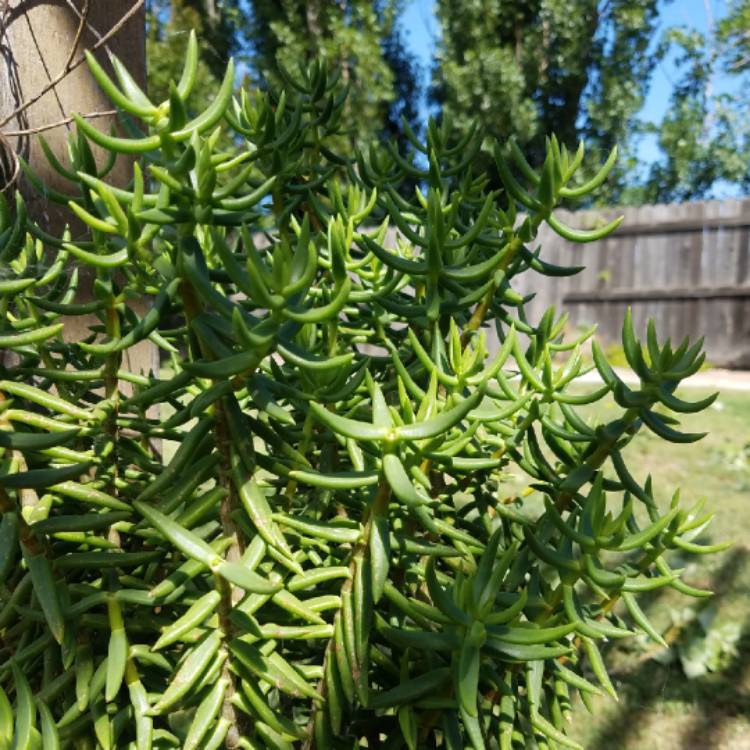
x,y
299,533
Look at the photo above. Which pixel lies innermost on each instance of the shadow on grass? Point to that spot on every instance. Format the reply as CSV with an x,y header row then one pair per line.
x,y
709,701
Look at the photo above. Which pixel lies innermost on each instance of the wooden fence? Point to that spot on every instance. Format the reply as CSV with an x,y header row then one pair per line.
x,y
687,266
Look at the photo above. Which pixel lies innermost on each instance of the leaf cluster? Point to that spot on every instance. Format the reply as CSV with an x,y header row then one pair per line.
x,y
297,534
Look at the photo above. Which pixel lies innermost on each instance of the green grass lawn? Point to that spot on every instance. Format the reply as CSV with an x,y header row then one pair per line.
x,y
659,707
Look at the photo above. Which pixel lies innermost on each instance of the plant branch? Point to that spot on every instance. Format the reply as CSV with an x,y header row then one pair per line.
x,y
360,554
230,595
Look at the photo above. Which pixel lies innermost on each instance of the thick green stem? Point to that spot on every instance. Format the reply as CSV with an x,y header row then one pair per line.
x,y
112,390
359,556
481,310
230,595
594,462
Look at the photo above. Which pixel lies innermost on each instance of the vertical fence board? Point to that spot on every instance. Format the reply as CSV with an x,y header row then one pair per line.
x,y
686,266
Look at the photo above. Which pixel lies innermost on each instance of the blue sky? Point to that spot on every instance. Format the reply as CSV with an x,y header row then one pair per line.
x,y
423,31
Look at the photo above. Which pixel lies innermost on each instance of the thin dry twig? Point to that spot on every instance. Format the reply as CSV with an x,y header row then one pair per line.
x,y
51,125
74,64
79,32
94,32
3,9
12,156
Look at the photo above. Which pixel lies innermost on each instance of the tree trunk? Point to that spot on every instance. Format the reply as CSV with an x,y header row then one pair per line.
x,y
39,40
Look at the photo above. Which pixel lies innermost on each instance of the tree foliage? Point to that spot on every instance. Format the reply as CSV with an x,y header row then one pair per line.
x,y
704,136
527,69
300,534
219,28
361,39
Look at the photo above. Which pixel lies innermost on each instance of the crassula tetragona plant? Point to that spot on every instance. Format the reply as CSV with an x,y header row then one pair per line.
x,y
300,532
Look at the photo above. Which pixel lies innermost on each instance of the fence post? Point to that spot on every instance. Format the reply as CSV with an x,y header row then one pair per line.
x,y
42,43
